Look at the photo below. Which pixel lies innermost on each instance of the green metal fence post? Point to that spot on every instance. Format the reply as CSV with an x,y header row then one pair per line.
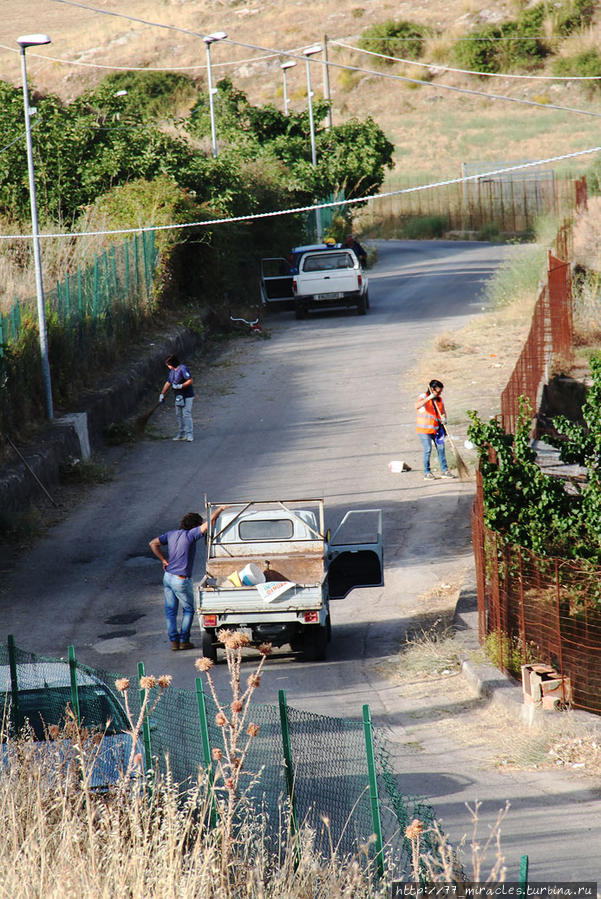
x,y
59,301
14,684
96,286
79,292
126,265
107,282
146,262
523,875
136,273
74,690
1,335
373,788
145,724
67,298
114,272
206,747
289,769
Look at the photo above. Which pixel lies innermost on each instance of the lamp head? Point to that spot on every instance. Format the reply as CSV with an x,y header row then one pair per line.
x,y
33,40
316,48
216,36
287,65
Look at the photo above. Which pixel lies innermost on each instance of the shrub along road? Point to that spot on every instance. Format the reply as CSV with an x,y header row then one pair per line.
x,y
317,410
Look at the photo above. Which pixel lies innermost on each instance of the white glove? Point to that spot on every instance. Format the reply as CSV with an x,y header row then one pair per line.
x,y
444,419
161,398
177,386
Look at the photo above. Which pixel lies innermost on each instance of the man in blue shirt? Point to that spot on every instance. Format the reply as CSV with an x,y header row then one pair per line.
x,y
180,380
177,576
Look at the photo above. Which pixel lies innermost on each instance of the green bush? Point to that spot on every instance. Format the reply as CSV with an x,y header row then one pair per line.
x,y
401,38
584,65
521,43
425,227
150,95
572,16
509,45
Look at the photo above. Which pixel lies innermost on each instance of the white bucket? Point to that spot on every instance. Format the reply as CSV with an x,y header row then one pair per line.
x,y
251,574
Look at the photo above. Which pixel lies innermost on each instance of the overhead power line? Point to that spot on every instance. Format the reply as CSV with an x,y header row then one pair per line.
x,y
294,55
296,210
431,65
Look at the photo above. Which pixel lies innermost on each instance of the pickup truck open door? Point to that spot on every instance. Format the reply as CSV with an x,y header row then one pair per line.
x,y
276,283
355,553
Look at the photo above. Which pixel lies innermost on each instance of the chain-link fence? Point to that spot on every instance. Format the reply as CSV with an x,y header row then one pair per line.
x,y
508,203
334,774
551,335
111,294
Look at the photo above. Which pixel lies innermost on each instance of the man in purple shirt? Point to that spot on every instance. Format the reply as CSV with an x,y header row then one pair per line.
x,y
180,380
177,576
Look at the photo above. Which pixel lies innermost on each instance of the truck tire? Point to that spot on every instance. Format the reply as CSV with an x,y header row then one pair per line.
x,y
367,304
362,305
315,644
300,311
209,649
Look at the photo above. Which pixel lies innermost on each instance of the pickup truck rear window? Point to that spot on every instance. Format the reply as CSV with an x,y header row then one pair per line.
x,y
266,529
327,262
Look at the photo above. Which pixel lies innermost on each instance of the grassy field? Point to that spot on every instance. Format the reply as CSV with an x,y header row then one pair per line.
x,y
459,127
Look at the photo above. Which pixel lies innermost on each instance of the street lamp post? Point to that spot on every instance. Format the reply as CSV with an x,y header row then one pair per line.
x,y
211,39
310,51
36,40
284,67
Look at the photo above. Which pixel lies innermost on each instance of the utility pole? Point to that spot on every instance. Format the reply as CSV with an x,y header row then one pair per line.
x,y
326,81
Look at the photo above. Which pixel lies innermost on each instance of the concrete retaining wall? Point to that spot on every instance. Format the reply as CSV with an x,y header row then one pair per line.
x,y
114,400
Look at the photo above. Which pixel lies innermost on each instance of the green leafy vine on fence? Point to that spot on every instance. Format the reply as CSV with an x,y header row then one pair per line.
x,y
525,506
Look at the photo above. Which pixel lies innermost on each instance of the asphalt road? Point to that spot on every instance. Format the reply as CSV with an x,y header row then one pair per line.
x,y
319,409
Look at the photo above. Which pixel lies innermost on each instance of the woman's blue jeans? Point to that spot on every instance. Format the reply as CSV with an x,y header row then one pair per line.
x,y
428,442
178,590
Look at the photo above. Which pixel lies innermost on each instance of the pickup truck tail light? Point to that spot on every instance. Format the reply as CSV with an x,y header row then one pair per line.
x,y
359,280
209,620
311,617
294,285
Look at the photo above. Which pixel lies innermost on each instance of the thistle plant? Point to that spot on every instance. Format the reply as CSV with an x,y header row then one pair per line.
x,y
237,734
147,707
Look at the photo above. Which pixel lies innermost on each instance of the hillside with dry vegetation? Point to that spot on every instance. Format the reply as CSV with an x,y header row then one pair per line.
x,y
459,127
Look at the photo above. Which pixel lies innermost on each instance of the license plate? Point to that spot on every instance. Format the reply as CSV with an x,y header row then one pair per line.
x,y
329,296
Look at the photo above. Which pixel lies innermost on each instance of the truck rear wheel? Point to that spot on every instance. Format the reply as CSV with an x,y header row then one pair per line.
x,y
209,649
315,644
362,305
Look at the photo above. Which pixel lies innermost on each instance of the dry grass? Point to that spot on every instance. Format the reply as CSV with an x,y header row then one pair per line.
x,y
460,128
587,236
476,361
150,838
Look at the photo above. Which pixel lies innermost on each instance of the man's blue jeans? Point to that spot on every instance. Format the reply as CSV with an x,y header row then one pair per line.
x,y
178,590
183,414
428,442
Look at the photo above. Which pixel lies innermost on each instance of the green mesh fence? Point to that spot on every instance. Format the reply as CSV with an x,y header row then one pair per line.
x,y
107,297
331,790
326,216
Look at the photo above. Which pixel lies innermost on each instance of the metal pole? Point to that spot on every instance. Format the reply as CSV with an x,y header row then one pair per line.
x,y
74,690
285,92
206,749
36,247
211,104
14,684
145,724
289,771
313,147
326,82
373,788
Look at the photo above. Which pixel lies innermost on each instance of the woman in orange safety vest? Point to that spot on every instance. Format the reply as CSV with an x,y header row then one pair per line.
x,y
431,417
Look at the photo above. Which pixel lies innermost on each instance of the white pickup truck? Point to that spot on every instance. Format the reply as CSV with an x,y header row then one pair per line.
x,y
317,277
272,570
